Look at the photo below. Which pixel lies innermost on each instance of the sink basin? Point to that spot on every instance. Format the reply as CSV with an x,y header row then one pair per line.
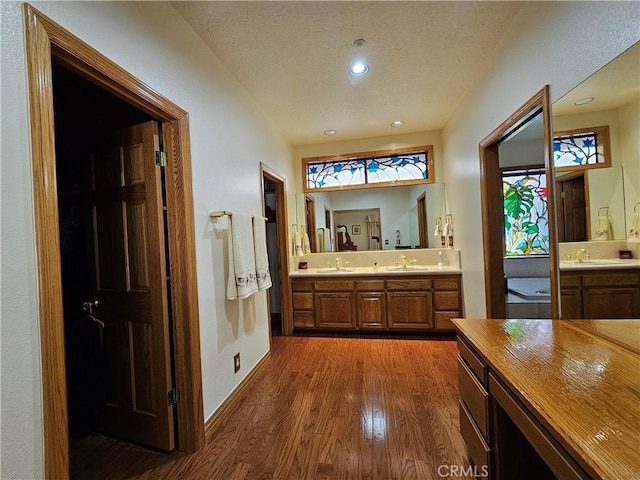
x,y
408,268
597,261
335,270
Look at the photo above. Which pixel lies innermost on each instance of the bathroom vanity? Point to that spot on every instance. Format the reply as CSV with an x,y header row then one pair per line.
x,y
600,289
407,299
550,398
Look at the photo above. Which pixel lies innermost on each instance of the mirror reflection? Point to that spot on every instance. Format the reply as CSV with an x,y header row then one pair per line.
x,y
600,201
373,218
597,203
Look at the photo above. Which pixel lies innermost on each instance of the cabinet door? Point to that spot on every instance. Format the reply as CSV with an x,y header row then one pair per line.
x,y
409,310
335,310
371,309
620,302
571,296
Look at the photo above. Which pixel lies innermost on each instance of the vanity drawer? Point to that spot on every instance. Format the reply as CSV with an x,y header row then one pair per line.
x,y
302,300
443,320
474,396
476,446
303,319
370,285
611,279
446,284
302,285
446,300
334,285
473,361
408,285
568,280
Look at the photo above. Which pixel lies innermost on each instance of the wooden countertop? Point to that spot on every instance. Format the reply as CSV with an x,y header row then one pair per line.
x,y
579,380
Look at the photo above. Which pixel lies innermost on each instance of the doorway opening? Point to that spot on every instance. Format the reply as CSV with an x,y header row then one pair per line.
x,y
274,208
572,208
423,228
115,268
48,43
531,126
357,229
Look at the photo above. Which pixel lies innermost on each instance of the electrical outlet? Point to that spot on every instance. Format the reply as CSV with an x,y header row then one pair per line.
x,y
236,363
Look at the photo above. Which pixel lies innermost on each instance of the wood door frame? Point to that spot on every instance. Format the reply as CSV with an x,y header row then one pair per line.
x,y
492,201
310,216
423,227
46,41
267,173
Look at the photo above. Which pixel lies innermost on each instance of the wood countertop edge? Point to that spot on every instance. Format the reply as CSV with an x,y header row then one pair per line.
x,y
582,457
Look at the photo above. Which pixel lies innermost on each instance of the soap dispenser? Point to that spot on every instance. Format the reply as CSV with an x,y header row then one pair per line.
x,y
440,258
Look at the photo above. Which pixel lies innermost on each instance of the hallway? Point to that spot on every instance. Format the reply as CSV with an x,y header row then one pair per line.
x,y
322,408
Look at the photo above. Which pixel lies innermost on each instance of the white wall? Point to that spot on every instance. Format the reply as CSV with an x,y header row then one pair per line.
x,y
229,137
540,48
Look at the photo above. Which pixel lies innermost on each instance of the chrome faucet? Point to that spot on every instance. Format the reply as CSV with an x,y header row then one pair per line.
x,y
581,255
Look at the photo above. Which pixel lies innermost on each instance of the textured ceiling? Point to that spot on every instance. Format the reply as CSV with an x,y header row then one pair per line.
x,y
292,58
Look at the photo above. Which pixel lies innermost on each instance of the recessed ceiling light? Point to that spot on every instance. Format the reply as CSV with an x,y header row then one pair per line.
x,y
329,132
585,100
397,123
358,69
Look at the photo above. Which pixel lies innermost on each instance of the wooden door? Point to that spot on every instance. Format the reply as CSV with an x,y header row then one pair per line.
x,y
573,208
422,221
409,310
130,283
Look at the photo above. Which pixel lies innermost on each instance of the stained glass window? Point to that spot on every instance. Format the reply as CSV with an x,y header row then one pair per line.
x,y
400,167
336,174
406,165
583,148
526,225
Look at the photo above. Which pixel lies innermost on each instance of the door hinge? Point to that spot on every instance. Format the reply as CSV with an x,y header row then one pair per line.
x,y
173,396
161,158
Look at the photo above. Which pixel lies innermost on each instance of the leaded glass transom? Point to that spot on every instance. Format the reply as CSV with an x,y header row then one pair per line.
x,y
373,170
584,148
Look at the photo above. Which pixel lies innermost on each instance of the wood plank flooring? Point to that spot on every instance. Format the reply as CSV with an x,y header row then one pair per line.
x,y
323,408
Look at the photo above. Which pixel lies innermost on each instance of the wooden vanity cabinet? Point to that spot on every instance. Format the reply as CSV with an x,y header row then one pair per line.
x,y
371,305
335,304
409,304
302,300
377,303
600,294
474,406
447,302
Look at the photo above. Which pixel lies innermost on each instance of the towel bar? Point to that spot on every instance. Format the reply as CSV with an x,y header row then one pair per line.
x,y
223,213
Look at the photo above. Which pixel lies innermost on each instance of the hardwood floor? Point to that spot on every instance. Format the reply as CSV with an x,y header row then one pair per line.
x,y
323,408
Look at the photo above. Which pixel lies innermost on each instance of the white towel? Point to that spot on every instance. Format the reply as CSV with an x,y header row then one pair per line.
x,y
320,239
634,231
328,247
306,243
297,243
263,277
242,264
603,228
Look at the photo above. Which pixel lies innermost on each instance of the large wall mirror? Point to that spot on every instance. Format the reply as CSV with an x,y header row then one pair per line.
x,y
588,197
406,217
599,200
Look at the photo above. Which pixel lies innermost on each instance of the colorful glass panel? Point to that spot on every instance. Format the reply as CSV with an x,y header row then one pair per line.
x,y
576,150
395,168
526,224
335,174
340,173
